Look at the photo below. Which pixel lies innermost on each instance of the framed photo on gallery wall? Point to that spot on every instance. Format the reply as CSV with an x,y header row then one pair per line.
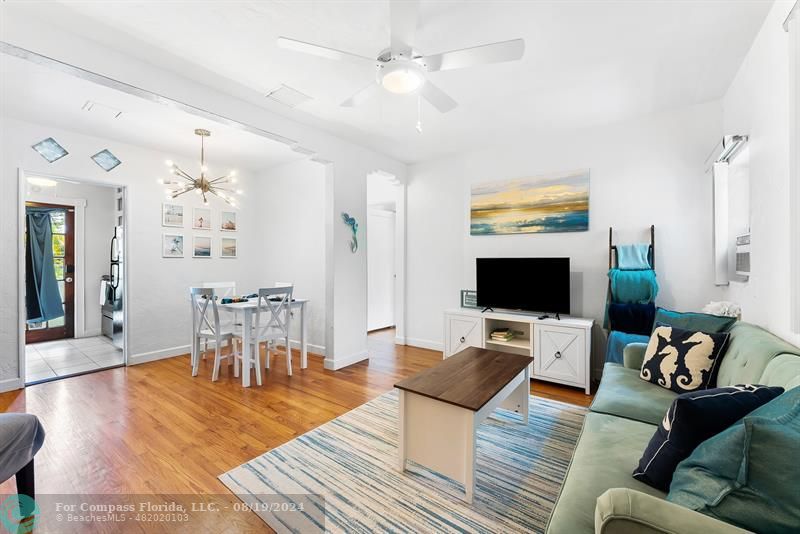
x,y
172,215
201,219
228,247
227,221
172,246
201,246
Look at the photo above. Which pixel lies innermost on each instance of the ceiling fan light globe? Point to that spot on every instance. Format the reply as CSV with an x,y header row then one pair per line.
x,y
402,79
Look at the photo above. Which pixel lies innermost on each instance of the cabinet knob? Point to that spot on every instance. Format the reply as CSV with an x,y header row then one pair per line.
x,y
557,354
462,339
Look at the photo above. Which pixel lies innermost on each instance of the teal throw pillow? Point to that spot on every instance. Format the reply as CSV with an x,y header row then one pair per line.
x,y
748,474
698,322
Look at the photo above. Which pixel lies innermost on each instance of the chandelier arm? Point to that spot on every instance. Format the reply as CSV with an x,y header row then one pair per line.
x,y
180,172
215,180
179,193
224,189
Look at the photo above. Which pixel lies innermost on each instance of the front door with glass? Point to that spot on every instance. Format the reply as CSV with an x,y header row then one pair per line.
x,y
62,224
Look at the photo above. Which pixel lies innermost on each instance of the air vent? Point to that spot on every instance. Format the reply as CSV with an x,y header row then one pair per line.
x,y
288,96
101,110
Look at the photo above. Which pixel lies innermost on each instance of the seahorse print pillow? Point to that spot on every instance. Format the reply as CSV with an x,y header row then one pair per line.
x,y
683,360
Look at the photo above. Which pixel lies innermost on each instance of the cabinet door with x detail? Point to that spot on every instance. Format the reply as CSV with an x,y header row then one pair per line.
x,y
560,353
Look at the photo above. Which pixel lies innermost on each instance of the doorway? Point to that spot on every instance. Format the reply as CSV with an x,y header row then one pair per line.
x,y
385,255
72,277
49,258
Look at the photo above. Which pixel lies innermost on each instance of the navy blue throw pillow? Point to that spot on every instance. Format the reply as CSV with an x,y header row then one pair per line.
x,y
691,419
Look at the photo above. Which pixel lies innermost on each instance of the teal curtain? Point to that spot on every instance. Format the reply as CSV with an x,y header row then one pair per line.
x,y
42,298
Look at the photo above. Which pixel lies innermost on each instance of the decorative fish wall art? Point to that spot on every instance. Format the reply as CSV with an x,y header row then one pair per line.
x,y
351,222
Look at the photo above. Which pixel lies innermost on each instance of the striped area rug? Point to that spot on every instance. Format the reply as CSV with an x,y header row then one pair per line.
x,y
351,462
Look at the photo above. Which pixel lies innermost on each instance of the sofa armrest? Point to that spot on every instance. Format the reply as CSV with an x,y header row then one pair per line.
x,y
627,511
633,355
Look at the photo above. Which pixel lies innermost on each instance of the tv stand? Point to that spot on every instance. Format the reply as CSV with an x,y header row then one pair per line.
x,y
561,346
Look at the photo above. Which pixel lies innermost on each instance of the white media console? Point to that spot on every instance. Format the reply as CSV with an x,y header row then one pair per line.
x,y
561,349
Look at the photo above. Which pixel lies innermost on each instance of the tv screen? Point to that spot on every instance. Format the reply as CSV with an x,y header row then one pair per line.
x,y
530,284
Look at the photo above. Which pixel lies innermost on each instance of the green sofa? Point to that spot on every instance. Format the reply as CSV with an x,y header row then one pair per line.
x,y
599,494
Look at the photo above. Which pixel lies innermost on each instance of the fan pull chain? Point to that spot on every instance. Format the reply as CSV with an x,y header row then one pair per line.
x,y
419,114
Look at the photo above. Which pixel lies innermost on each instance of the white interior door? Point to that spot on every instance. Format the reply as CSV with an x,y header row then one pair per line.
x,y
380,268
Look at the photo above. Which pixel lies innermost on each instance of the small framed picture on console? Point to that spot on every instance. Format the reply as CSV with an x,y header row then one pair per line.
x,y
469,298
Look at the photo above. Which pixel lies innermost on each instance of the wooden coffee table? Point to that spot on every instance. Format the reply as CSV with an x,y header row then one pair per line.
x,y
441,408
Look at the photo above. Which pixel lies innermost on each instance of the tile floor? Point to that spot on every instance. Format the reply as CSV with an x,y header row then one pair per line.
x,y
66,357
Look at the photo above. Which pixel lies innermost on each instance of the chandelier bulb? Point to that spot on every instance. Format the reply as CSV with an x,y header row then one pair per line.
x,y
169,163
239,192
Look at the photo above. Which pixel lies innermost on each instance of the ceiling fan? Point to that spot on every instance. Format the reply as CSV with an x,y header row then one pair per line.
x,y
401,69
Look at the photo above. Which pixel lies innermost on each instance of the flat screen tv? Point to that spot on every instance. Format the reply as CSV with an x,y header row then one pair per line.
x,y
529,284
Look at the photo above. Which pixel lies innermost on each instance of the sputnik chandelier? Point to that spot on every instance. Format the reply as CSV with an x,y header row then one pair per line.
x,y
202,185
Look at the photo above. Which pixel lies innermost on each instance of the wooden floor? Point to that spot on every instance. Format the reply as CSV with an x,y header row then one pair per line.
x,y
154,429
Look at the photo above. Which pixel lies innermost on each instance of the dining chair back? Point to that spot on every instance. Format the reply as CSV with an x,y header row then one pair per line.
x,y
224,289
275,305
206,325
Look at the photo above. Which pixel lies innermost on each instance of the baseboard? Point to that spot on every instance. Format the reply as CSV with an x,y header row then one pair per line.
x,y
340,363
90,333
313,350
10,384
399,340
425,344
162,354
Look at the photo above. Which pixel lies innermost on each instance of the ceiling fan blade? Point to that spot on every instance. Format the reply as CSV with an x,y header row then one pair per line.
x,y
477,55
403,15
438,98
361,96
321,51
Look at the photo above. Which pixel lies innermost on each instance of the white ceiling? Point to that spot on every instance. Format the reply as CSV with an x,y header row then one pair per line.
x,y
31,92
586,62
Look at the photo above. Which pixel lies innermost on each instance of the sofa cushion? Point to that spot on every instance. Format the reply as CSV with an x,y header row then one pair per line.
x,y
683,360
699,322
624,394
747,475
750,349
691,419
602,460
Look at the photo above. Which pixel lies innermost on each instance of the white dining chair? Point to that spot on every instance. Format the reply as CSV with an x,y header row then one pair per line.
x,y
205,326
223,290
272,322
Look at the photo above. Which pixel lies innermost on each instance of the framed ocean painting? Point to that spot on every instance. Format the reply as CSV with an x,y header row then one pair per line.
x,y
557,202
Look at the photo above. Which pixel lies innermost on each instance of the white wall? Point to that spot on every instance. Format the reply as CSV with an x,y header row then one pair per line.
x,y
159,321
645,172
98,229
757,104
291,238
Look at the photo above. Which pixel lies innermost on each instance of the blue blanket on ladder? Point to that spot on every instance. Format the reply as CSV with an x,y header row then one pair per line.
x,y
633,257
633,287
